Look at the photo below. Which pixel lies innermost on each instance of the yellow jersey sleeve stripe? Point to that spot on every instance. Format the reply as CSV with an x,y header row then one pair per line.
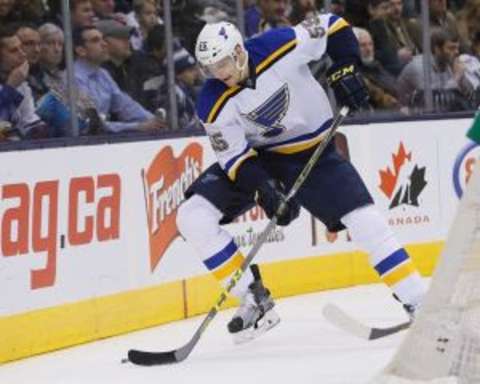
x,y
398,274
232,172
220,102
229,267
338,25
277,54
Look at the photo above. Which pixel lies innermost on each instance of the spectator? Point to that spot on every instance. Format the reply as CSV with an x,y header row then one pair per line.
x,y
380,83
448,79
187,79
401,33
118,110
268,14
6,10
16,101
52,107
143,18
105,9
30,39
468,19
301,9
82,13
476,45
337,7
123,65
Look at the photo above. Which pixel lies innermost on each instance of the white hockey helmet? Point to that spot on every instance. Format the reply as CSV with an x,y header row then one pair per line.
x,y
216,42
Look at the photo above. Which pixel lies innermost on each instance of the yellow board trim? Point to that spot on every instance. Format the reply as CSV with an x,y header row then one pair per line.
x,y
229,267
399,273
49,329
338,25
273,56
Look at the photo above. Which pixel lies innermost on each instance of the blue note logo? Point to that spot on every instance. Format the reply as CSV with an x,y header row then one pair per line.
x,y
268,116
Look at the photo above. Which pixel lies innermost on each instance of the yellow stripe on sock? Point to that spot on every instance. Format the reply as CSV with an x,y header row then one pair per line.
x,y
399,274
229,267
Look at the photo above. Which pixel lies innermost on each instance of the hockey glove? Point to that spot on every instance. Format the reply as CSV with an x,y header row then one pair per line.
x,y
270,195
348,85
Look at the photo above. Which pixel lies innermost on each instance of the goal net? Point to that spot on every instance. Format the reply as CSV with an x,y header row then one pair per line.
x,y
443,344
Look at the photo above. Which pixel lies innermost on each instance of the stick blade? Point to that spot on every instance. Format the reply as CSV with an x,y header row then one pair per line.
x,y
145,358
340,319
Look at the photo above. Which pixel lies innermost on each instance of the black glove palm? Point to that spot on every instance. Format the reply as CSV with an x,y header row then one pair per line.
x,y
348,85
270,196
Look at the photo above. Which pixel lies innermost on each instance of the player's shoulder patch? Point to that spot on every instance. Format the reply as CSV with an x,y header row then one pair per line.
x,y
212,98
269,47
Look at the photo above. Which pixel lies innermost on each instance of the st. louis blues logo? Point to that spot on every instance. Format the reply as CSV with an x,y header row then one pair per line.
x,y
223,33
268,116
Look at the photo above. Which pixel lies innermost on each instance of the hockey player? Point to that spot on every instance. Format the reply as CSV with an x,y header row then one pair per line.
x,y
264,114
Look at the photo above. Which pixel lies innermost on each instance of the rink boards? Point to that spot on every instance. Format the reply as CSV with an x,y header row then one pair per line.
x,y
90,249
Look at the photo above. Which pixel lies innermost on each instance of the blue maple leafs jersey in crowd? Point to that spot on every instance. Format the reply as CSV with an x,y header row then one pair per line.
x,y
286,111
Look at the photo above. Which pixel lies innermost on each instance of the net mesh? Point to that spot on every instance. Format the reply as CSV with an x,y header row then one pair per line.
x,y
443,345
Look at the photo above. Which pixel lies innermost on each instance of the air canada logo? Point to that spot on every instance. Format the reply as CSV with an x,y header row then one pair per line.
x,y
165,182
403,181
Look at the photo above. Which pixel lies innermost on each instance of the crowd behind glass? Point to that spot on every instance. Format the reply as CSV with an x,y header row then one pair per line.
x,y
120,59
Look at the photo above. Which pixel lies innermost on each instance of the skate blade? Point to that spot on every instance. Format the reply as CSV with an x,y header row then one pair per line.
x,y
270,320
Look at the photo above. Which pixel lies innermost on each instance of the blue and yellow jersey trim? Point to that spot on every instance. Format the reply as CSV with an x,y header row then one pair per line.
x,y
336,24
232,166
264,51
225,262
299,143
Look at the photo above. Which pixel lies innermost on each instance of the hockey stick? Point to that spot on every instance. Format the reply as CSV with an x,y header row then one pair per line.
x,y
342,320
177,355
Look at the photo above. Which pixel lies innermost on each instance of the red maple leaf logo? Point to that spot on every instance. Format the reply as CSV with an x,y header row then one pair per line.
x,y
388,178
165,182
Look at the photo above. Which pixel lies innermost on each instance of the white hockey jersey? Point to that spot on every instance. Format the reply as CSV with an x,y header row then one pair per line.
x,y
286,111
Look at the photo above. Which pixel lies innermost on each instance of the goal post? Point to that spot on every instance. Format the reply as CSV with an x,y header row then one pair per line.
x,y
443,344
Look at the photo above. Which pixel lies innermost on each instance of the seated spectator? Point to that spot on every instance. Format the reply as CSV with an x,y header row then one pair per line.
x,y
266,15
468,18
441,19
105,9
119,111
123,64
82,13
476,45
6,11
401,33
448,78
301,9
16,101
53,107
142,19
337,7
30,38
380,83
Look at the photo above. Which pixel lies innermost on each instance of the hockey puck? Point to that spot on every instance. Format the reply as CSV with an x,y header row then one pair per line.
x,y
125,360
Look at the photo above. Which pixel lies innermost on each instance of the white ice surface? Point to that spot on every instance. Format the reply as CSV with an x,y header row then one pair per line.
x,y
302,349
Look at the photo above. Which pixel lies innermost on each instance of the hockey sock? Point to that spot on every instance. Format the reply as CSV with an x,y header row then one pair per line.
x,y
198,222
371,231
